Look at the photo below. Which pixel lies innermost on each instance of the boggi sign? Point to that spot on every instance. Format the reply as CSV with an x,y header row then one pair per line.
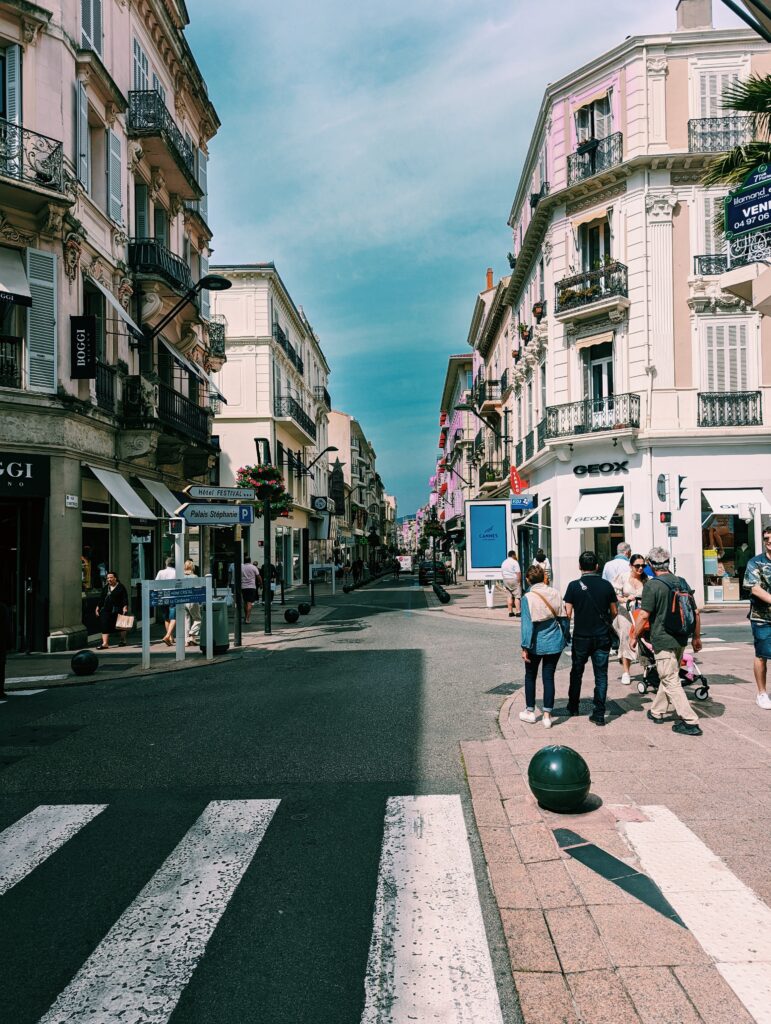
x,y
24,475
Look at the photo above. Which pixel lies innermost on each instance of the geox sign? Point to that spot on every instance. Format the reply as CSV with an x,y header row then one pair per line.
x,y
601,468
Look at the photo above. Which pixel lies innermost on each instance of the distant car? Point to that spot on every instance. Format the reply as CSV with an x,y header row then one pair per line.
x,y
426,573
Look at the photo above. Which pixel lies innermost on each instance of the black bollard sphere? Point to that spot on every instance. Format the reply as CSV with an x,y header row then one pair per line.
x,y
559,778
347,588
291,615
303,608
84,663
441,593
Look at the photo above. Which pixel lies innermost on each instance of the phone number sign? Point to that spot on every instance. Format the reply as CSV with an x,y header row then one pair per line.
x,y
748,208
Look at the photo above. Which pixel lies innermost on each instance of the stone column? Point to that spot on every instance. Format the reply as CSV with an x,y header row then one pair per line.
x,y
659,207
66,631
657,109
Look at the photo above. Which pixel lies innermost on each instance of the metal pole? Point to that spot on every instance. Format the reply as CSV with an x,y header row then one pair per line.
x,y
266,566
282,590
179,609
238,559
313,593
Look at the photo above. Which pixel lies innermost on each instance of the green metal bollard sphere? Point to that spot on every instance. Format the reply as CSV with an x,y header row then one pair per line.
x,y
84,663
304,608
291,615
559,778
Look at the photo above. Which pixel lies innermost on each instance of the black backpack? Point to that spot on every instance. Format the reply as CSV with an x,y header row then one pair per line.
x,y
680,613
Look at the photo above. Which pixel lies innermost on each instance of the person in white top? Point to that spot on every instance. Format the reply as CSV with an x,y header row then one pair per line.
x,y
169,610
542,561
618,564
250,584
512,581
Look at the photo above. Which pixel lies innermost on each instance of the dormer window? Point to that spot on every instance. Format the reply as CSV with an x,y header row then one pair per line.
x,y
594,120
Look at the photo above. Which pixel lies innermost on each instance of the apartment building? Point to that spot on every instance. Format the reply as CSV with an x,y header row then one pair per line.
x,y
461,444
364,512
105,378
275,379
631,383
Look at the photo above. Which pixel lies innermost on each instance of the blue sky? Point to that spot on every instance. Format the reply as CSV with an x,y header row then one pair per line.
x,y
373,151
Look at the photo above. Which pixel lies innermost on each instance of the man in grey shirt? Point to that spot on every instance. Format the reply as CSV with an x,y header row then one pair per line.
x,y
618,564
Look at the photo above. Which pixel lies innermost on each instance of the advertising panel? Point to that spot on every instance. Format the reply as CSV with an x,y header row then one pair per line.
x,y
82,347
488,538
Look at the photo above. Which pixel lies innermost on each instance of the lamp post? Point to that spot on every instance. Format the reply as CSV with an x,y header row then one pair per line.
x,y
434,523
263,458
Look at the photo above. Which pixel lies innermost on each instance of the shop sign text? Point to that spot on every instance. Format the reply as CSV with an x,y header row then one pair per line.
x,y
25,474
601,468
82,347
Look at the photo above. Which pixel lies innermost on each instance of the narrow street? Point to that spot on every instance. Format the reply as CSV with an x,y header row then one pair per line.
x,y
371,703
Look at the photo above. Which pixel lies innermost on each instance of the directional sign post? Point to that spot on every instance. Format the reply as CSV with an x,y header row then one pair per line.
x,y
199,492
217,515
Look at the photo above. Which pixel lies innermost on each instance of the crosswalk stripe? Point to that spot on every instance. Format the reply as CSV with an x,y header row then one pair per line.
x,y
428,958
29,841
137,974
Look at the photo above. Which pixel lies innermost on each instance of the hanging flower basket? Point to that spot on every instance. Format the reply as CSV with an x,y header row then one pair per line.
x,y
268,483
525,332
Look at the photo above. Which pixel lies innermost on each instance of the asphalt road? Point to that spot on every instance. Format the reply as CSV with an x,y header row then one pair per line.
x,y
368,704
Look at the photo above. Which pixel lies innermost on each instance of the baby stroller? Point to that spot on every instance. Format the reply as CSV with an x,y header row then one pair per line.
x,y
690,673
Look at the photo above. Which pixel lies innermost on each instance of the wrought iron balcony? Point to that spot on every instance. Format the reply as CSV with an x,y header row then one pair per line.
x,y
177,411
718,134
280,336
216,331
148,116
616,412
322,395
593,156
489,392
536,197
491,473
151,257
730,409
592,286
291,408
29,157
710,266
10,362
105,386
754,247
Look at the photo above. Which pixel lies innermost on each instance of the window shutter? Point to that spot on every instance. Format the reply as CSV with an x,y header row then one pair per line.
x,y
279,456
96,37
13,84
203,205
41,321
81,135
158,87
86,27
204,293
114,183
141,226
141,67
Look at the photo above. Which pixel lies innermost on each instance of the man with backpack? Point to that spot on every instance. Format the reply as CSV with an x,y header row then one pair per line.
x,y
670,612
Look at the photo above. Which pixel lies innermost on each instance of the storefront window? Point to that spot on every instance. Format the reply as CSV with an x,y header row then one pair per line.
x,y
727,545
297,567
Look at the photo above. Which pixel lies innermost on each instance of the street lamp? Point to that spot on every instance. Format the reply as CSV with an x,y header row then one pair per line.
x,y
209,283
468,407
309,467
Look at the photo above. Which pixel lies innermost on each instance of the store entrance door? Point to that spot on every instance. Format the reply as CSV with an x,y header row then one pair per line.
x,y
10,570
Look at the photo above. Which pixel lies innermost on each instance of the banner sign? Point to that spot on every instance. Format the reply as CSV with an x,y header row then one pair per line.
x,y
516,482
200,491
82,347
748,208
24,474
488,538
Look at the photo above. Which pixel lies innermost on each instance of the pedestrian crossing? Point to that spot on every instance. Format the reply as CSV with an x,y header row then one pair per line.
x,y
428,956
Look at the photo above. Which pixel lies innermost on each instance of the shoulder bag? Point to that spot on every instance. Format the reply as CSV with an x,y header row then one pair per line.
x,y
562,620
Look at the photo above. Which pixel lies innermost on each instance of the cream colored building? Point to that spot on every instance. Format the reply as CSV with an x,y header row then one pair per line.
x,y
105,121
364,490
275,381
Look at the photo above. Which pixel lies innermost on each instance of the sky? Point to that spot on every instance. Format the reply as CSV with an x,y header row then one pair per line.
x,y
372,151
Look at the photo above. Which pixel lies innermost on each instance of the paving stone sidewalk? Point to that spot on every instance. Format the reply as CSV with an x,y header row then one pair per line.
x,y
583,950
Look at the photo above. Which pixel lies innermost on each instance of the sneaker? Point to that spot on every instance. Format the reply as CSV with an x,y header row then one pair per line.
x,y
658,719
547,720
573,710
763,701
626,679
686,728
597,718
511,615
527,716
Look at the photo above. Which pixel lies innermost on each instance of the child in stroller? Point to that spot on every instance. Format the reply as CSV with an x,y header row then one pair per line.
x,y
690,673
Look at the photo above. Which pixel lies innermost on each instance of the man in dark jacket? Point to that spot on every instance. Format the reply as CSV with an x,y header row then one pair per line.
x,y
591,603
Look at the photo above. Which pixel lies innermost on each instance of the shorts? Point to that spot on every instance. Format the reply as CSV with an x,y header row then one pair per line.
x,y
761,634
249,595
514,588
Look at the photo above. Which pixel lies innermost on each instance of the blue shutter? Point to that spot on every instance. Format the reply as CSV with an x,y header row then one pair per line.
x,y
114,183
13,84
141,225
81,134
41,321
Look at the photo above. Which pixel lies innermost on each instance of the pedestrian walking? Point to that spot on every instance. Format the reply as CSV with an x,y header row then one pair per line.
x,y
619,564
629,588
192,613
250,583
113,602
757,579
512,582
670,613
591,602
168,611
544,635
6,642
545,564
358,571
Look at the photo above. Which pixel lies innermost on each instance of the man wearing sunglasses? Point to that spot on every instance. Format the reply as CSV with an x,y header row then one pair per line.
x,y
757,579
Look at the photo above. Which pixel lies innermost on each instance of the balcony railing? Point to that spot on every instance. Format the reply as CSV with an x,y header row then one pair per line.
x,y
27,156
591,286
730,409
710,266
593,156
288,406
105,386
489,391
529,445
718,134
149,256
289,350
322,395
536,197
490,473
754,247
615,412
179,412
216,332
518,453
540,433
149,115
10,362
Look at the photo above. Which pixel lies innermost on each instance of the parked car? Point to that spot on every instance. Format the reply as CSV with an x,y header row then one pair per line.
x,y
426,573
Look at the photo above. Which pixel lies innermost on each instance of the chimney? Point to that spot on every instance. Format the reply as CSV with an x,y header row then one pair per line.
x,y
693,15
489,278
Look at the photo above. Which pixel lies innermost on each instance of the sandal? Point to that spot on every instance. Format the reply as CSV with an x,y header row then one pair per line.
x,y
167,640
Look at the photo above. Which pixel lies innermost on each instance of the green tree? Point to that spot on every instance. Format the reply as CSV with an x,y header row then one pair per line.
x,y
751,97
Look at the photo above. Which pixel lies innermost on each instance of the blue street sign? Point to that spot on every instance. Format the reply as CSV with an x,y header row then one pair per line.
x,y
190,595
246,514
521,502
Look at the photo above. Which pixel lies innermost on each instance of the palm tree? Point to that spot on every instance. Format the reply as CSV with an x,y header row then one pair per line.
x,y
752,98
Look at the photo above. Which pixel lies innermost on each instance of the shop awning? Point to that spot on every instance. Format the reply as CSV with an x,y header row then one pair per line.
x,y
530,513
727,502
112,301
595,508
119,487
14,286
165,498
215,389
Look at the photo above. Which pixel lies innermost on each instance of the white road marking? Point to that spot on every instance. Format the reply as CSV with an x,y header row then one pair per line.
x,y
732,924
140,969
36,679
33,838
29,693
712,640
428,958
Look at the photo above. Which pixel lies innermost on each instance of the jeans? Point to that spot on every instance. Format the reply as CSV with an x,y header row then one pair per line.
x,y
531,674
598,649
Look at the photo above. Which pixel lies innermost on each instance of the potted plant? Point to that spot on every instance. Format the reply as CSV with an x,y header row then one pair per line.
x,y
538,311
525,332
268,482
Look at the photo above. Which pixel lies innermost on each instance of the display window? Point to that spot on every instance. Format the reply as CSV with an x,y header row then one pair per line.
x,y
727,545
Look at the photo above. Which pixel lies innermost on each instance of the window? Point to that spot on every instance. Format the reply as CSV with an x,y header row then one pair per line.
x,y
725,356
712,86
93,305
595,120
712,214
543,175
160,225
141,211
11,345
141,67
542,377
158,87
91,25
594,244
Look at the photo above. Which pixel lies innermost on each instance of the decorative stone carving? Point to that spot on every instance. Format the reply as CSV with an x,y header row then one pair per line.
x,y
97,271
617,316
51,221
136,444
188,339
660,206
12,234
707,297
657,66
125,291
152,303
119,243
111,113
135,155
73,250
157,182
175,204
546,248
30,31
596,198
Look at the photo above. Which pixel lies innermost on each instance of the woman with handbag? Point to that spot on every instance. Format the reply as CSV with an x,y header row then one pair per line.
x,y
545,632
112,603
